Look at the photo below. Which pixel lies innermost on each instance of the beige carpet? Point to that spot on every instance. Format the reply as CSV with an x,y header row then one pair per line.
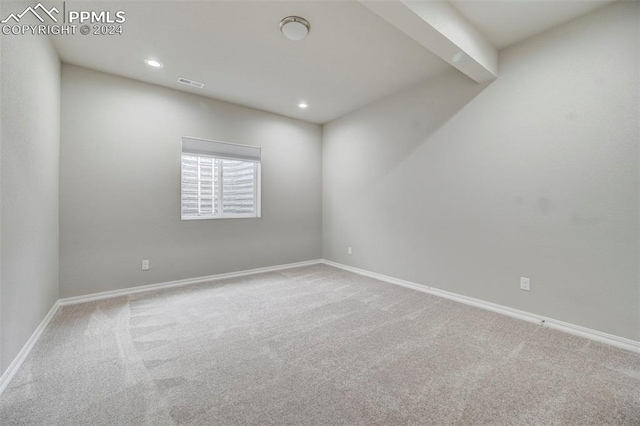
x,y
313,346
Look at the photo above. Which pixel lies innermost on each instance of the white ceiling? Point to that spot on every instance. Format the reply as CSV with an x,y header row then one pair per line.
x,y
350,58
506,22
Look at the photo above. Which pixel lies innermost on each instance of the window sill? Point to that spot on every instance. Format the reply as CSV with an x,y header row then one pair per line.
x,y
253,216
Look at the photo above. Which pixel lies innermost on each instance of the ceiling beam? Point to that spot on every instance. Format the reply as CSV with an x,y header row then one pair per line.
x,y
440,28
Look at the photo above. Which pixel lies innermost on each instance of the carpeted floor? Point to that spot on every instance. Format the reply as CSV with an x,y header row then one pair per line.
x,y
313,346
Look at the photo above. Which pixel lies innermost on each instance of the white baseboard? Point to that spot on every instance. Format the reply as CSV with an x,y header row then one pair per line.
x,y
22,355
179,283
24,352
577,330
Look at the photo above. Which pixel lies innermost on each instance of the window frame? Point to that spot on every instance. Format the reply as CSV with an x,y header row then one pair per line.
x,y
257,187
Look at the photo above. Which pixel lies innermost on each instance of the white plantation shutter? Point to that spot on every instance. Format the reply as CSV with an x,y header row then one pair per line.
x,y
219,180
238,187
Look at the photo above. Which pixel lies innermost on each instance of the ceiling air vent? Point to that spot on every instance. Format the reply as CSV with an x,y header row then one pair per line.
x,y
190,82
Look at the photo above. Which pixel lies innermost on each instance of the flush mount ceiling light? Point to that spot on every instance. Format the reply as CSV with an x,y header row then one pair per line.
x,y
153,63
294,27
303,105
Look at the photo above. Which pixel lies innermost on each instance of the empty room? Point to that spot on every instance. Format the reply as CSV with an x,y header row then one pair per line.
x,y
354,212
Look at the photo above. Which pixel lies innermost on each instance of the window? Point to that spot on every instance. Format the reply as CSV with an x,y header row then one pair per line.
x,y
219,180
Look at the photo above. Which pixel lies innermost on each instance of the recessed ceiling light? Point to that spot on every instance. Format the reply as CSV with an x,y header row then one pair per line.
x,y
303,105
153,63
294,27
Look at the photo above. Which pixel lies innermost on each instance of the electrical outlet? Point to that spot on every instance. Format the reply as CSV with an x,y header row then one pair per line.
x,y
349,251
145,265
525,284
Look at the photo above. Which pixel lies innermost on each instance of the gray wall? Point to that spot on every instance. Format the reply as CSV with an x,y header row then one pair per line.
x,y
30,130
467,188
120,186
